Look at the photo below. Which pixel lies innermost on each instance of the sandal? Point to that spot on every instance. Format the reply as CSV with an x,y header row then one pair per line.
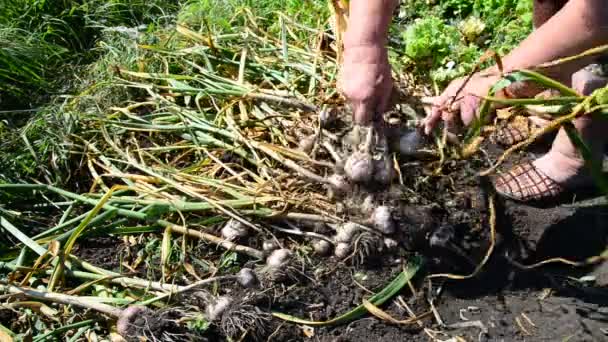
x,y
511,134
526,183
520,123
517,129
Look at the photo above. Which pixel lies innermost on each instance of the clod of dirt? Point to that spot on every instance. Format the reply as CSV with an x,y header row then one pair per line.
x,y
416,224
409,143
383,171
234,230
442,236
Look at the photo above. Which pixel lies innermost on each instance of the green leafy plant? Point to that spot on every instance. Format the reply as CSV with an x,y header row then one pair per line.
x,y
448,44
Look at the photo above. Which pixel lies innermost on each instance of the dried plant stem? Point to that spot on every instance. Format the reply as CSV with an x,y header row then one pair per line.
x,y
292,165
599,50
62,299
213,239
115,279
589,261
283,101
299,232
187,288
332,151
374,310
141,216
553,125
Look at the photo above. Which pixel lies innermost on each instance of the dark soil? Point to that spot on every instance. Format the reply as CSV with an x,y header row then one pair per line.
x,y
547,303
102,252
510,302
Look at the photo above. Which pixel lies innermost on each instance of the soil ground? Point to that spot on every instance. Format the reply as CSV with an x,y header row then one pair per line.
x,y
548,303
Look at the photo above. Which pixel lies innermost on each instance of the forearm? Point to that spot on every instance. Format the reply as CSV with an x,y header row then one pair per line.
x,y
369,22
578,26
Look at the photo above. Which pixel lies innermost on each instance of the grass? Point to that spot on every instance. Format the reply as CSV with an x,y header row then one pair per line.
x,y
156,113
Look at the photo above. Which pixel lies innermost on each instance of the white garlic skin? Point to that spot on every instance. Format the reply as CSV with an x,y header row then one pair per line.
x,y
342,250
216,309
269,245
278,258
247,278
409,142
128,317
359,167
339,184
390,244
308,143
321,247
346,232
383,220
368,205
234,230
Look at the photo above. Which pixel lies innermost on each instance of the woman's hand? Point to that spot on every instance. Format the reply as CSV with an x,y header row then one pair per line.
x,y
365,74
458,102
365,80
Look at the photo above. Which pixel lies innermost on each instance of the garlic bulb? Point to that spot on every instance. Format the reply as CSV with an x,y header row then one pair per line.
x,y
216,309
383,220
390,244
346,232
368,205
247,278
339,184
359,167
269,245
278,258
342,250
234,230
321,247
130,317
